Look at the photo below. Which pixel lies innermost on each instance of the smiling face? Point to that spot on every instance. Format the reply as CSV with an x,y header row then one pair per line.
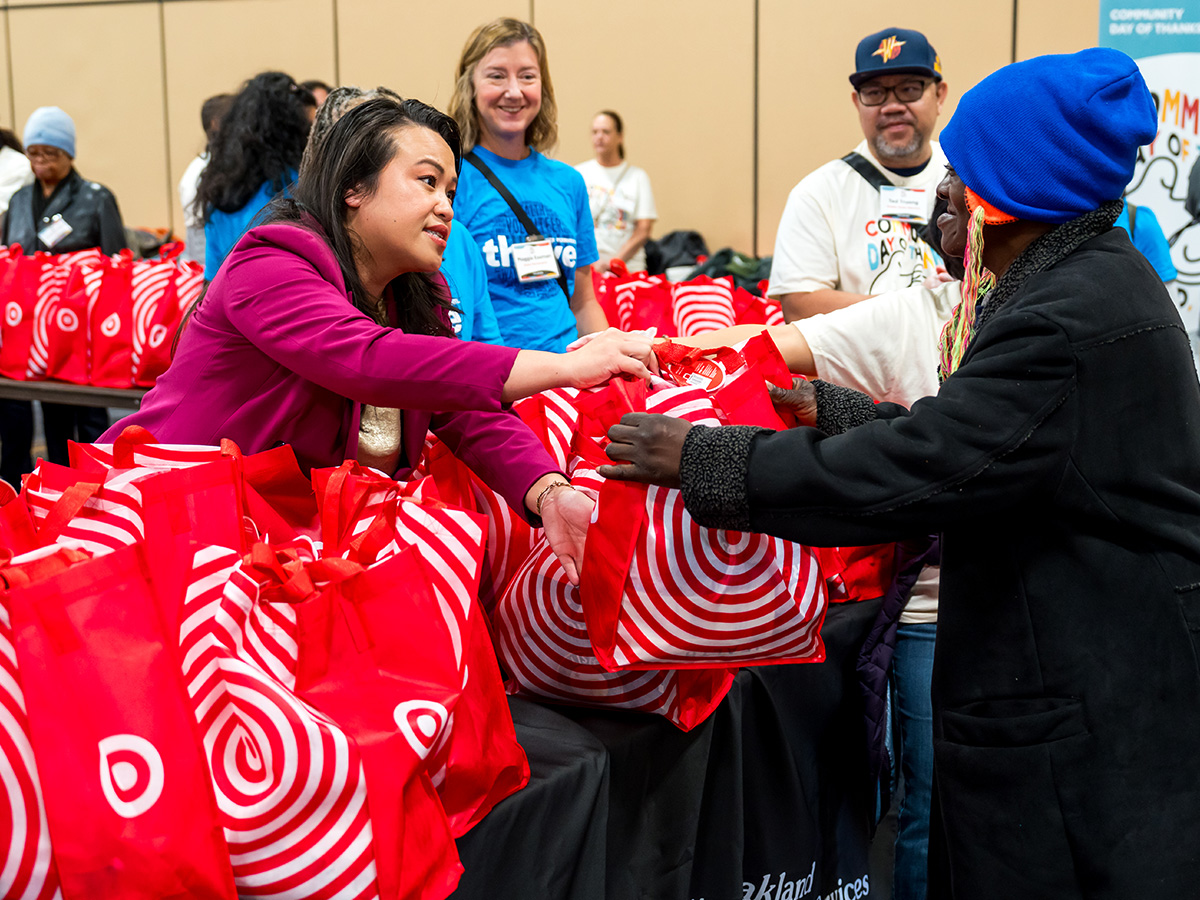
x,y
899,132
403,224
956,220
508,94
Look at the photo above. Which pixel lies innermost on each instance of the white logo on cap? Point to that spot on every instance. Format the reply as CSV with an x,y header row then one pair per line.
x,y
131,774
111,325
420,721
66,320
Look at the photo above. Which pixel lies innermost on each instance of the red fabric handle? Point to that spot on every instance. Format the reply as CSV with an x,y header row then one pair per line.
x,y
66,508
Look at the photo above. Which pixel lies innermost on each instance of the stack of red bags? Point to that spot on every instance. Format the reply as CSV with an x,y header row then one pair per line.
x,y
271,671
86,318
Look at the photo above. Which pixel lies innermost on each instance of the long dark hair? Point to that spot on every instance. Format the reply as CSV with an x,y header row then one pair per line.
x,y
619,126
9,139
349,157
260,140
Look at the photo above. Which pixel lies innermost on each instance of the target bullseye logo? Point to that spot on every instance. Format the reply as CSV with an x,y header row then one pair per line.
x,y
131,774
13,313
157,335
66,320
110,326
420,722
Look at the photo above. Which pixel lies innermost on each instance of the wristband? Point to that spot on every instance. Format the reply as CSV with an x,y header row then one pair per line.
x,y
546,490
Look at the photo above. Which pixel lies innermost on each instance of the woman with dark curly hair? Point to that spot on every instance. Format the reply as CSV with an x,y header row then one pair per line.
x,y
255,155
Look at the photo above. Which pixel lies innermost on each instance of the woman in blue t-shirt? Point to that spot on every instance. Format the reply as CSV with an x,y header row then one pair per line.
x,y
504,105
254,156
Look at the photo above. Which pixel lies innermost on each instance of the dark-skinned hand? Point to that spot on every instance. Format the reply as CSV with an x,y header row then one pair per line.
x,y
801,400
650,445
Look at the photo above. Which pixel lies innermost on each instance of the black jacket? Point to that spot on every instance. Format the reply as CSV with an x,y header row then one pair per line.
x,y
1062,465
89,208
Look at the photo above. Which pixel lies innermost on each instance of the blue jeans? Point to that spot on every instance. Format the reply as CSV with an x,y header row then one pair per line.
x,y
912,670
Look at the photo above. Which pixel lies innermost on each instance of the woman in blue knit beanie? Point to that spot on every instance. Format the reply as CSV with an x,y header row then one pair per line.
x,y
1060,462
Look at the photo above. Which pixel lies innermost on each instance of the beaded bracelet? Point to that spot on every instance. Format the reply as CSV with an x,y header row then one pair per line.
x,y
547,489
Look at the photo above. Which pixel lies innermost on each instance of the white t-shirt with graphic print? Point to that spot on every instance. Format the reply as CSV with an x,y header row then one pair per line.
x,y
619,196
831,234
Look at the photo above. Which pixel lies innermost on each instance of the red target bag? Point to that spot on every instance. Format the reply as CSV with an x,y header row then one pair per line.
x,y
644,301
289,782
110,325
19,278
543,641
660,591
703,304
18,534
127,792
374,654
66,328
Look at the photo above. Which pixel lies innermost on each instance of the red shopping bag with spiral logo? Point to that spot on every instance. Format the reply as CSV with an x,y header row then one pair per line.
x,y
66,325
289,783
110,325
660,591
375,654
162,289
19,277
127,792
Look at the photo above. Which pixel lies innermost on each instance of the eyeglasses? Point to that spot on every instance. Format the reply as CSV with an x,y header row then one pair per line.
x,y
906,92
47,153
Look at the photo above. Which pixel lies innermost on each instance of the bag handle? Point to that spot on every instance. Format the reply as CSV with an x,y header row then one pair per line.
x,y
65,509
532,233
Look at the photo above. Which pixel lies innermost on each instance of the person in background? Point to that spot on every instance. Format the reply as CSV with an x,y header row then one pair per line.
x,y
462,265
255,155
15,170
1143,229
211,112
621,201
850,228
327,329
60,212
504,104
319,89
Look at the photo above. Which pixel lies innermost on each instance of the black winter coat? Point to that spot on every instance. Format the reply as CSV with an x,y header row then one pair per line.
x,y
1061,464
89,208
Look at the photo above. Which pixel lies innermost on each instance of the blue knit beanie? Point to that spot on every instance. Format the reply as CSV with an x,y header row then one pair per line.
x,y
51,127
1053,137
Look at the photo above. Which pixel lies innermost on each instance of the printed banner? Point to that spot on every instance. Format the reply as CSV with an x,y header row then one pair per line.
x,y
1165,41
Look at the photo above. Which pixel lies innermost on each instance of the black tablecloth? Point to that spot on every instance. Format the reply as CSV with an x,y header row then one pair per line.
x,y
767,800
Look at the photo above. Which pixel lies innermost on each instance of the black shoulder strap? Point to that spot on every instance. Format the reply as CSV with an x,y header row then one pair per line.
x,y
1132,217
872,175
526,222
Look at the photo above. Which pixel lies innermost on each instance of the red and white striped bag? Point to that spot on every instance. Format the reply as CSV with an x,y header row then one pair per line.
x,y
162,289
543,641
703,304
100,512
289,783
644,301
26,863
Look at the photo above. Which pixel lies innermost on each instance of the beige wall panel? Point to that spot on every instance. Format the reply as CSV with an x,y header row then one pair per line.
x,y
103,65
806,54
683,83
215,45
382,42
1063,26
6,112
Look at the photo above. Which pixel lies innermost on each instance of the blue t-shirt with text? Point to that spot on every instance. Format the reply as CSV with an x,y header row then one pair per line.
x,y
463,269
534,316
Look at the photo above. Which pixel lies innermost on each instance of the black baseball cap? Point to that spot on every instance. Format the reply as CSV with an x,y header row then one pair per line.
x,y
895,51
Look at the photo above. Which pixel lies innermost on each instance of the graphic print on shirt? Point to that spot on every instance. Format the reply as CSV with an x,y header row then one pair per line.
x,y
497,250
894,251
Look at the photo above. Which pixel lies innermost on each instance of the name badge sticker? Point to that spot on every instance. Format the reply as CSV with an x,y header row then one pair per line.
x,y
55,231
534,261
902,204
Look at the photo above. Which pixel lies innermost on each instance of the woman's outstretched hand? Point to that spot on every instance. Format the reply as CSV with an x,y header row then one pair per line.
x,y
801,400
566,514
609,353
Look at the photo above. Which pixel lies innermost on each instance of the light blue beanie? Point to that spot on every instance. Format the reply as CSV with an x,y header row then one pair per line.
x,y
50,126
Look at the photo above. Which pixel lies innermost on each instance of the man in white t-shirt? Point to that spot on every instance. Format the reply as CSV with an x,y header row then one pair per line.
x,y
850,229
619,194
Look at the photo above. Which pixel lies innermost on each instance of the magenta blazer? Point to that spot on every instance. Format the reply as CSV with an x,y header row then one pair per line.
x,y
277,352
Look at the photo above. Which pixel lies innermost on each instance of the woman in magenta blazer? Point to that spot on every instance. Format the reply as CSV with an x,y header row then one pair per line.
x,y
327,329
